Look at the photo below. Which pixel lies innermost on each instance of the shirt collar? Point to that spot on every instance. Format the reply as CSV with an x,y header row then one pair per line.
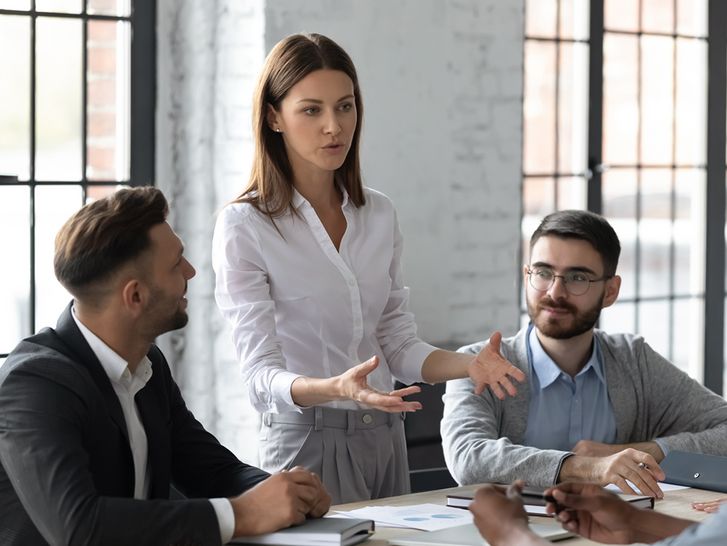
x,y
116,368
548,371
299,200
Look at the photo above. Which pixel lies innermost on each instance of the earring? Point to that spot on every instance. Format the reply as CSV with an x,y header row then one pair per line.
x,y
277,130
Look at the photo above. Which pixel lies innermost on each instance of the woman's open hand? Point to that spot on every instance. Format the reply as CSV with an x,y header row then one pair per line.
x,y
490,369
353,385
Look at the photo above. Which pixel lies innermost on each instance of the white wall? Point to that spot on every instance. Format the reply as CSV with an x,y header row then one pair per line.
x,y
442,89
209,54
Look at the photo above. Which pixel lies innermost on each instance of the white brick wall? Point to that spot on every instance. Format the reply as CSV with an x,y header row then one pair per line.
x,y
209,55
442,84
442,89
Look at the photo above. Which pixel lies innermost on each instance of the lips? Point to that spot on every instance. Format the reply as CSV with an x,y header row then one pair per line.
x,y
555,309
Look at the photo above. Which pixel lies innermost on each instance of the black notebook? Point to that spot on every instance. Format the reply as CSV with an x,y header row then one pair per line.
x,y
463,500
322,531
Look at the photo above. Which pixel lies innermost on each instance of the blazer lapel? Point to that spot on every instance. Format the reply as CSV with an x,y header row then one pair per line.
x,y
69,333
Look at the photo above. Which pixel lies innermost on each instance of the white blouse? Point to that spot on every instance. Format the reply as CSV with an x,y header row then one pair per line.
x,y
299,307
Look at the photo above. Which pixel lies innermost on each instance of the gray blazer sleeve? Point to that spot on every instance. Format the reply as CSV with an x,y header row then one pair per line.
x,y
476,432
41,439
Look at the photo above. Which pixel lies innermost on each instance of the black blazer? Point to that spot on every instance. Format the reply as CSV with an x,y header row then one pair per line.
x,y
67,474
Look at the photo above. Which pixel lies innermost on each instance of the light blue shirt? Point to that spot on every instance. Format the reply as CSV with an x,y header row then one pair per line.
x,y
563,409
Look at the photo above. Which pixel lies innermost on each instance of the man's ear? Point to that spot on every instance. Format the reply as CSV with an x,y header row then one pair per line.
x,y
526,268
134,296
613,286
273,118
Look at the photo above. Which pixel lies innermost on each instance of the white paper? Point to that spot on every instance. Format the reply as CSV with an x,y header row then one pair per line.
x,y
536,510
664,487
427,517
671,486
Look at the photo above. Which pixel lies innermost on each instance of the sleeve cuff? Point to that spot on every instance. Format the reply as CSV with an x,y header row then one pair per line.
x,y
225,517
282,396
560,465
410,370
661,442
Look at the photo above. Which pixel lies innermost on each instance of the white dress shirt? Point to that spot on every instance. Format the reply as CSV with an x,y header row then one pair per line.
x,y
298,307
126,385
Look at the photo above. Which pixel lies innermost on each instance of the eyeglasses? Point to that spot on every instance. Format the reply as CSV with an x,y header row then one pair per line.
x,y
576,283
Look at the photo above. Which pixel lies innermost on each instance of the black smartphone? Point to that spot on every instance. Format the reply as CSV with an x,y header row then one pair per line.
x,y
536,496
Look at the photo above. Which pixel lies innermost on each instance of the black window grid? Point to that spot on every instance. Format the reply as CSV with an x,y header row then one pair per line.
x,y
714,288
142,20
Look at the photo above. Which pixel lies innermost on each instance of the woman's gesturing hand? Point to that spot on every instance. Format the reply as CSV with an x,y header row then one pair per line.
x,y
353,385
490,369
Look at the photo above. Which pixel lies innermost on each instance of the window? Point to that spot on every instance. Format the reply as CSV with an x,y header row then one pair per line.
x,y
76,123
616,97
555,110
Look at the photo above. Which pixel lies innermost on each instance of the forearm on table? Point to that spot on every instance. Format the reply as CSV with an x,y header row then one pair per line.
x,y
650,525
441,366
577,468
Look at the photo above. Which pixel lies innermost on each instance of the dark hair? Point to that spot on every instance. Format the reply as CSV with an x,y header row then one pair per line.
x,y
105,234
270,188
586,226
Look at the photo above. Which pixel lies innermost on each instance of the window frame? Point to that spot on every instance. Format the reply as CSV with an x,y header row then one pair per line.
x,y
142,123
713,365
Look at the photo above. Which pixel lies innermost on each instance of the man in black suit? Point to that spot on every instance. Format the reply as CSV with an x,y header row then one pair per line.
x,y
93,429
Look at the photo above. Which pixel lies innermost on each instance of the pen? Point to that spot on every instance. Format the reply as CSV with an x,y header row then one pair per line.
x,y
536,496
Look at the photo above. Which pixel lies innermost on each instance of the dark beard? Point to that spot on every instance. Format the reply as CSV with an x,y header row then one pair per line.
x,y
582,321
179,320
159,322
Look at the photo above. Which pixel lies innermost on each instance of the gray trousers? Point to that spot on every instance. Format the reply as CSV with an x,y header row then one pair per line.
x,y
359,455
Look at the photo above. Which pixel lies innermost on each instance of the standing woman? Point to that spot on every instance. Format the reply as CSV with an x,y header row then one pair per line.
x,y
308,272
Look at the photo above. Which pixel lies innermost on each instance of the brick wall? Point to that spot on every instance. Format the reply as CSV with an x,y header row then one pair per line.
x,y
107,121
209,54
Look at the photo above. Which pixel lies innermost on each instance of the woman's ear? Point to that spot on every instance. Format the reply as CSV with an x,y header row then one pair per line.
x,y
273,119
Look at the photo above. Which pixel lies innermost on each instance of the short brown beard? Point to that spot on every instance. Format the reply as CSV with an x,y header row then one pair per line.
x,y
583,321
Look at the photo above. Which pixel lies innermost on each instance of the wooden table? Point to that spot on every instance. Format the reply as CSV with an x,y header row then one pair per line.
x,y
675,503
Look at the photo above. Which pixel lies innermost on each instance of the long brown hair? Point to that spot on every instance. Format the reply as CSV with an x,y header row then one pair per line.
x,y
270,188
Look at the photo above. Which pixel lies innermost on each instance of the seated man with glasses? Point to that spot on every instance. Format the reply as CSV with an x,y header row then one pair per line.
x,y
599,407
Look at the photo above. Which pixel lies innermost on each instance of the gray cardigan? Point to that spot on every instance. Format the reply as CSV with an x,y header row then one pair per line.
x,y
651,398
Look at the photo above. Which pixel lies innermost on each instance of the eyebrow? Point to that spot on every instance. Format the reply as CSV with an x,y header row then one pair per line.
x,y
580,269
317,101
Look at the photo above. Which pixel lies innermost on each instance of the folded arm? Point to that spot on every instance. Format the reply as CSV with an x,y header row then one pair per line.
x,y
476,450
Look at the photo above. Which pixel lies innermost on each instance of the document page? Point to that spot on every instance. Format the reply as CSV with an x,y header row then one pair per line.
x,y
427,517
